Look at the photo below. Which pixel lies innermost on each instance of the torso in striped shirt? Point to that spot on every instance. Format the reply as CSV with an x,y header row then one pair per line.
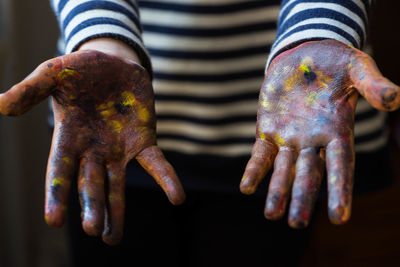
x,y
208,59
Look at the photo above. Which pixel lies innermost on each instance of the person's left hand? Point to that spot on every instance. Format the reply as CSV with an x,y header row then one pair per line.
x,y
306,121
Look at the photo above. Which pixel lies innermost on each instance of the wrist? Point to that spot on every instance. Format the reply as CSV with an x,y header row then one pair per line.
x,y
112,47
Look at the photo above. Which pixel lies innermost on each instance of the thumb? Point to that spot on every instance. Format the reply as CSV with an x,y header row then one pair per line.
x,y
32,90
381,93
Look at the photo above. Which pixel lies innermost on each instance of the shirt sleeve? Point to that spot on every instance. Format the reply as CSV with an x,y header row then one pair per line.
x,y
83,20
309,20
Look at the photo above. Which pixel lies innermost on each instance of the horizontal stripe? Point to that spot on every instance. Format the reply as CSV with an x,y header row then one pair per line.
x,y
217,32
363,105
215,142
179,43
98,30
367,126
105,5
245,129
332,6
320,26
367,137
213,56
366,115
99,13
115,5
174,19
374,144
207,110
206,67
101,21
350,31
197,89
193,148
357,39
209,100
198,2
207,121
248,74
216,8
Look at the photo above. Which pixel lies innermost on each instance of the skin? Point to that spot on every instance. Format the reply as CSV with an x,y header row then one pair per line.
x,y
103,117
306,124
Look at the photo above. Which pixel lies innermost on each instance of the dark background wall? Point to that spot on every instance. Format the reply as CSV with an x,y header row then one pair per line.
x,y
29,37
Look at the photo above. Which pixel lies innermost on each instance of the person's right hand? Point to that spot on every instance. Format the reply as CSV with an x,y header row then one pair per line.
x,y
103,117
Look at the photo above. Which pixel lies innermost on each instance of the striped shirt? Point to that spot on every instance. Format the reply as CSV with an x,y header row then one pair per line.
x,y
208,59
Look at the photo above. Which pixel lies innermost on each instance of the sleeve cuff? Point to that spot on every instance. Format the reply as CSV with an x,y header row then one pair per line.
x,y
310,20
81,21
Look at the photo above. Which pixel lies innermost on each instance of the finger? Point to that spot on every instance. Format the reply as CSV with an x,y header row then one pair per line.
x,y
115,210
309,172
340,169
154,162
280,184
92,196
381,93
60,172
35,88
262,157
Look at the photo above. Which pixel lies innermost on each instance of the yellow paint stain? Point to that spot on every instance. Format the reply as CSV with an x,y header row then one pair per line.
x,y
338,151
67,73
323,84
244,178
101,106
332,179
117,149
278,139
114,177
311,98
66,160
128,98
304,68
46,218
108,112
116,197
116,126
72,97
270,88
291,82
263,136
143,113
99,181
57,181
265,103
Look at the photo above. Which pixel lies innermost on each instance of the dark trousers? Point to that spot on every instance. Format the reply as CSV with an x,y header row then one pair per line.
x,y
208,230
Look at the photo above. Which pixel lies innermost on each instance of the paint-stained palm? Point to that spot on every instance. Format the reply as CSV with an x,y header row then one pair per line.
x,y
306,123
103,117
